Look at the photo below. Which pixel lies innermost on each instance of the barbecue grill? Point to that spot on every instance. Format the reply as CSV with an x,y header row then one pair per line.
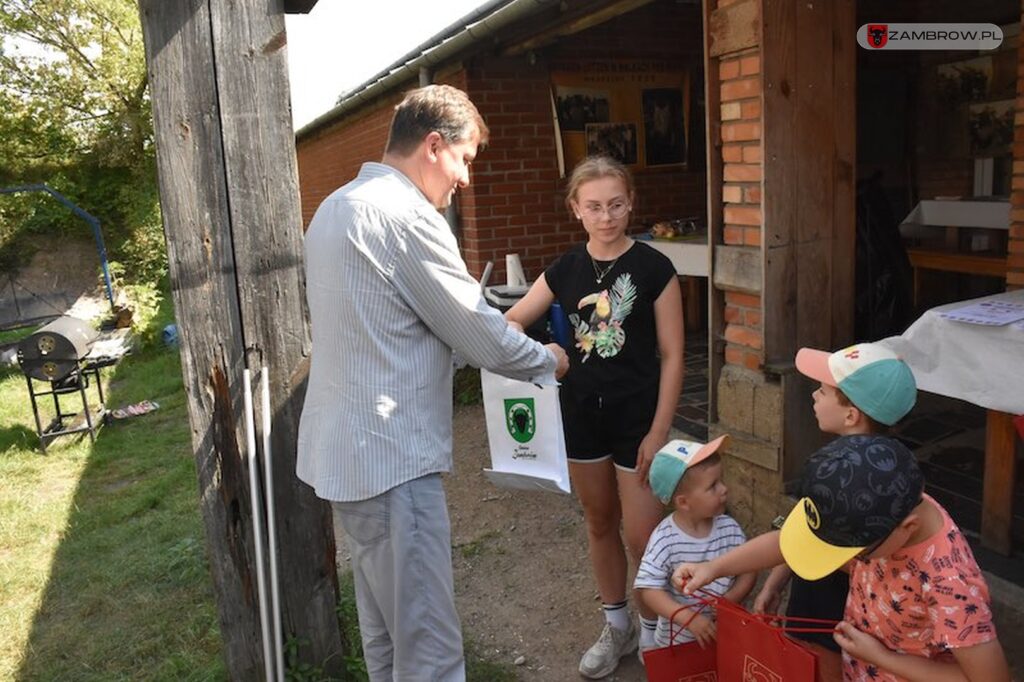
x,y
57,356
56,350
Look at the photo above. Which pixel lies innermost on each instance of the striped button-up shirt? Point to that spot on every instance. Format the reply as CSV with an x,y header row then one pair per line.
x,y
390,299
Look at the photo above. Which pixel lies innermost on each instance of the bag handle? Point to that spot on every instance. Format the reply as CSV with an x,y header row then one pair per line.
x,y
711,599
700,604
771,620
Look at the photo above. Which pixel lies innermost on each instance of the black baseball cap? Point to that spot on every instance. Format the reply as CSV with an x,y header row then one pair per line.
x,y
855,490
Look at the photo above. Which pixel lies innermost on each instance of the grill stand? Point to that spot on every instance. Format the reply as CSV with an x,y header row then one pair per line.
x,y
75,382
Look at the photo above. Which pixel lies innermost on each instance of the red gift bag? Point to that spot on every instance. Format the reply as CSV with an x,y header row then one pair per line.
x,y
681,662
759,651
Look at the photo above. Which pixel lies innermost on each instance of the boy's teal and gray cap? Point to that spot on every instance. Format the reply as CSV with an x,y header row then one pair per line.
x,y
672,461
875,379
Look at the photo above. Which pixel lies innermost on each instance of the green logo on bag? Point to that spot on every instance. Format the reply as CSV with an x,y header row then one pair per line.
x,y
520,418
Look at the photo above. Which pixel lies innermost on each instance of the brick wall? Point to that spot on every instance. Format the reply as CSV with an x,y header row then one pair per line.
x,y
516,203
332,157
740,111
1015,256
749,406
513,204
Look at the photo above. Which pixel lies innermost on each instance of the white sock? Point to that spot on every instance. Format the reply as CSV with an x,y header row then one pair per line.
x,y
648,626
617,615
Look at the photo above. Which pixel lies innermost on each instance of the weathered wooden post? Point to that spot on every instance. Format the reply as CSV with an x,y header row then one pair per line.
x,y
230,201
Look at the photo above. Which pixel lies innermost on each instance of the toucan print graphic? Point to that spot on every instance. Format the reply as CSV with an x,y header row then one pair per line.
x,y
603,332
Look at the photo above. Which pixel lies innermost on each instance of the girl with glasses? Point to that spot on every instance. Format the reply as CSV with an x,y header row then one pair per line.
x,y
619,396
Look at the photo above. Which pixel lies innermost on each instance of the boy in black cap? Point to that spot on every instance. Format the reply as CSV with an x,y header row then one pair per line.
x,y
918,607
862,389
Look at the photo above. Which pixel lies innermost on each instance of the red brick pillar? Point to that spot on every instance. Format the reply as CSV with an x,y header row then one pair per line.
x,y
740,92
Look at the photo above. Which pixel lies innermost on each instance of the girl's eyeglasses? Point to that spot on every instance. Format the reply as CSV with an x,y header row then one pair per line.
x,y
614,211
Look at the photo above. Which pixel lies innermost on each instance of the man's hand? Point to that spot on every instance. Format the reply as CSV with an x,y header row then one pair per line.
x,y
689,577
859,644
561,357
767,601
701,627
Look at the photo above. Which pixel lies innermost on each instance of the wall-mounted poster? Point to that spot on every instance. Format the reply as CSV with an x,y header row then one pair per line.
x,y
664,126
617,140
991,127
634,110
579,106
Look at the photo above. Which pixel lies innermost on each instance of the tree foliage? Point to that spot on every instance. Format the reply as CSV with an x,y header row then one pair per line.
x,y
75,114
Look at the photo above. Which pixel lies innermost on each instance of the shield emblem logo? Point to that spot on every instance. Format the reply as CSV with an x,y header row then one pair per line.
x,y
520,419
878,35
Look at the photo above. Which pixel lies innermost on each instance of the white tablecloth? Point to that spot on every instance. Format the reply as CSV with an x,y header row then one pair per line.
x,y
981,364
688,256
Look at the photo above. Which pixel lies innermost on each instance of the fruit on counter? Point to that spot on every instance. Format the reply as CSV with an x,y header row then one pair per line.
x,y
664,230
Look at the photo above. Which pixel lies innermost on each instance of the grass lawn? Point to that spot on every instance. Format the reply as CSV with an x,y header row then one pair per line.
x,y
102,562
102,565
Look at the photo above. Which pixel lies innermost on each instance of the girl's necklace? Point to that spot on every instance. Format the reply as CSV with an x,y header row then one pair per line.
x,y
601,273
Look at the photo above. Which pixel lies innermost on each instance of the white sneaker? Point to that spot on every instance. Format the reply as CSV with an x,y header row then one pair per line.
x,y
602,658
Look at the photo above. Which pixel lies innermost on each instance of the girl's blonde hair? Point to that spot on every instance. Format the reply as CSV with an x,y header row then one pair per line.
x,y
594,168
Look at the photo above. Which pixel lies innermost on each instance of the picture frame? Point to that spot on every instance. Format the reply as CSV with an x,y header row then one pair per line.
x,y
617,140
664,126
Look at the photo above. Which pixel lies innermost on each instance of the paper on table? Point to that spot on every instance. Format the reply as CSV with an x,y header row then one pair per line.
x,y
987,312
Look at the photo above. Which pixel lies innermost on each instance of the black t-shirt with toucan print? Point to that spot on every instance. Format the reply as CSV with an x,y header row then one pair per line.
x,y
612,320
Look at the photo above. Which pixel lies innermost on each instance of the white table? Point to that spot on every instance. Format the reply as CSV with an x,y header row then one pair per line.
x,y
983,365
689,256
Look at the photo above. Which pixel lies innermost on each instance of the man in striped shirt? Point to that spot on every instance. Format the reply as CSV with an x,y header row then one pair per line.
x,y
390,299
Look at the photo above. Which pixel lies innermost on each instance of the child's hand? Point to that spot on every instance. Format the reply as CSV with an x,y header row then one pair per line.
x,y
859,644
701,627
689,577
767,601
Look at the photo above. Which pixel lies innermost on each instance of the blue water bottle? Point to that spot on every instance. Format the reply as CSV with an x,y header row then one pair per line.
x,y
559,326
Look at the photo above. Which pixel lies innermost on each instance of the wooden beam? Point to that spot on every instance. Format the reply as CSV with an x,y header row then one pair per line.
x,y
230,203
574,24
844,196
1000,476
716,224
734,27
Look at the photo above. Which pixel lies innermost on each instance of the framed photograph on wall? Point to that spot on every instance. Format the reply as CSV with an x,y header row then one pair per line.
x,y
617,140
991,128
634,110
664,126
576,107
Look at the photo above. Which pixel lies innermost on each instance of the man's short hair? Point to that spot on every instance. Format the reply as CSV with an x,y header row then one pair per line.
x,y
443,109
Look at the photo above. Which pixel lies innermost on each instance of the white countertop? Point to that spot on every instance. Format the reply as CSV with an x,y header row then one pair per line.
x,y
690,256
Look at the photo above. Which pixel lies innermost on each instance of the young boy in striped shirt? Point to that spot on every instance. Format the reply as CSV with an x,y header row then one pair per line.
x,y
688,476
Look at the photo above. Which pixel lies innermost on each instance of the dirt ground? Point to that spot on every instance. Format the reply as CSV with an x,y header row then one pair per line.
x,y
522,578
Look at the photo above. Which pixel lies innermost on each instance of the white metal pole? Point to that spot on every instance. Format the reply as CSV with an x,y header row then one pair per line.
x,y
268,486
257,523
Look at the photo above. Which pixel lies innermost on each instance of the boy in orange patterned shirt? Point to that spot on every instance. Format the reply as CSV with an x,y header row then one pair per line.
x,y
918,607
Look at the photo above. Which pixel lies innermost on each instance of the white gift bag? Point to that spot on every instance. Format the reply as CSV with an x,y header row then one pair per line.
x,y
524,432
